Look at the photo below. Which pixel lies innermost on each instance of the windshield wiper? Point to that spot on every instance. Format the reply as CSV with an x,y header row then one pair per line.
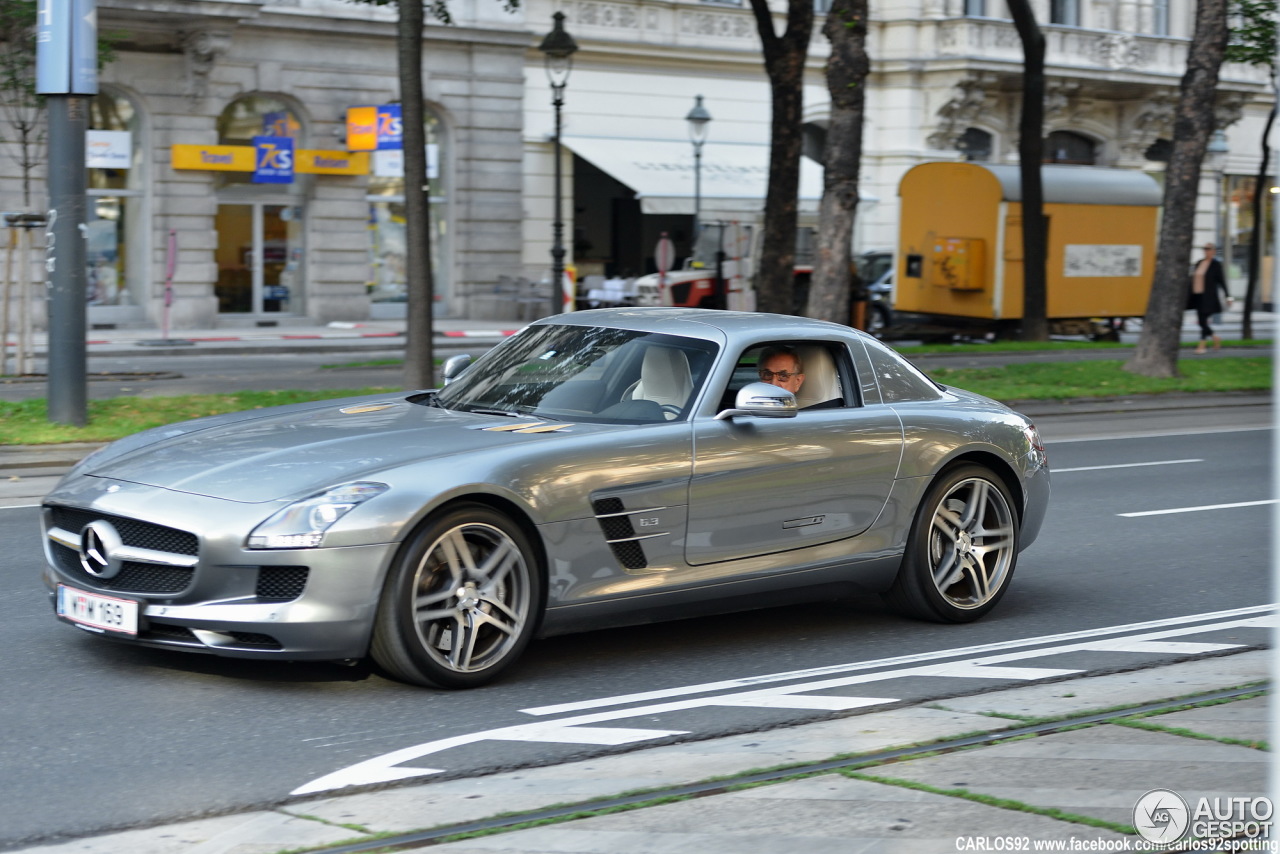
x,y
496,412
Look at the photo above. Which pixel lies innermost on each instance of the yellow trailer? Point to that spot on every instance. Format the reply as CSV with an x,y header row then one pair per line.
x,y
960,245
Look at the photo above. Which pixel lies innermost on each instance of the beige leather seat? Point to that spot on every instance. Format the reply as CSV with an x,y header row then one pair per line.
x,y
664,378
821,381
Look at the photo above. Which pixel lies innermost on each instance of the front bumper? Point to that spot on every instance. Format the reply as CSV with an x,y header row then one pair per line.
x,y
200,590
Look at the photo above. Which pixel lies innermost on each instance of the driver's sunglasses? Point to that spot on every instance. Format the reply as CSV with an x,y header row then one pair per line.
x,y
784,376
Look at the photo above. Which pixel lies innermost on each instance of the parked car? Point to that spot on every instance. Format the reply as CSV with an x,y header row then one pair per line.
x,y
595,469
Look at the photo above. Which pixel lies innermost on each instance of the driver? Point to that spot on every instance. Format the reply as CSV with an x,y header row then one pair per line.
x,y
780,365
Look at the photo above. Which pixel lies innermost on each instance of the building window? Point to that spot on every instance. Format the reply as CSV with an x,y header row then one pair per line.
x,y
976,145
386,280
975,8
1065,12
1064,146
1160,17
821,7
116,266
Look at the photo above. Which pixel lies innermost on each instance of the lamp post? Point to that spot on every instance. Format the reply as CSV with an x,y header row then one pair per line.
x,y
558,49
698,120
1216,153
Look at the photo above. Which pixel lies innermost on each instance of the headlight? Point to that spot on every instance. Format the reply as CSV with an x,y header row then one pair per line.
x,y
302,524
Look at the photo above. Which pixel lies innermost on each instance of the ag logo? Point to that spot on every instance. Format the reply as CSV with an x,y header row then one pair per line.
x,y
1161,815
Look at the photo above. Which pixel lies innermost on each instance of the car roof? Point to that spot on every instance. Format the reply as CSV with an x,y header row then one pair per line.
x,y
704,323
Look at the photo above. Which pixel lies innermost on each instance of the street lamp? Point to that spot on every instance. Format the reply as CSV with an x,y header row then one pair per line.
x,y
558,49
698,120
1216,154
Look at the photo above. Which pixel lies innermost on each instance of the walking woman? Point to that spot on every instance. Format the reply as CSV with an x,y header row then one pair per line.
x,y
1207,279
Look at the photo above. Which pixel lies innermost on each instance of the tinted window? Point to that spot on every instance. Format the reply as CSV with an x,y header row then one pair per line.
x,y
899,380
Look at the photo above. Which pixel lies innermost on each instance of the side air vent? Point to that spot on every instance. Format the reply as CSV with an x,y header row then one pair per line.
x,y
615,523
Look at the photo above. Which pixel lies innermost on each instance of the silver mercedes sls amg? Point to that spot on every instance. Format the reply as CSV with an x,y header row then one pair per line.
x,y
595,469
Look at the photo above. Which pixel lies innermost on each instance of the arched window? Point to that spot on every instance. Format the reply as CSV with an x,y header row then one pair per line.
x,y
976,144
250,116
1064,146
114,228
387,280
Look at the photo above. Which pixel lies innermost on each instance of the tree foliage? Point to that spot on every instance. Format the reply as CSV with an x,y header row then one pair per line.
x,y
784,62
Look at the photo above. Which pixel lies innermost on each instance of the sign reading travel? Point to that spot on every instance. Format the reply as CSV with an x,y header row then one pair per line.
x,y
273,163
375,128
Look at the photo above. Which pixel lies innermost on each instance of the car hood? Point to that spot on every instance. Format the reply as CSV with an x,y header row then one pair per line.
x,y
290,453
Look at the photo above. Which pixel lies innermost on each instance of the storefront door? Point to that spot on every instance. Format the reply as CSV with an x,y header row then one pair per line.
x,y
259,259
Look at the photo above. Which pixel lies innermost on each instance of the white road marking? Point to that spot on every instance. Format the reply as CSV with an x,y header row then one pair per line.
x,y
581,729
1156,434
18,506
1173,510
1124,466
730,684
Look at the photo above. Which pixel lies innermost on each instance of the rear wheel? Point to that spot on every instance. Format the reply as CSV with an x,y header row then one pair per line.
x,y
461,603
962,549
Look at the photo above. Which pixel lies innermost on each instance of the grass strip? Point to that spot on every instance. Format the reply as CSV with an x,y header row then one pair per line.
x,y
1191,733
1001,803
24,422
1106,378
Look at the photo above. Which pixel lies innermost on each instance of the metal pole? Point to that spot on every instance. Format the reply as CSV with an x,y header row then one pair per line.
x,y
697,189
65,259
557,226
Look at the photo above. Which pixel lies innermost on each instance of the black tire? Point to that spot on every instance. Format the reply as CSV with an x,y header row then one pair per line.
x,y
962,549
468,573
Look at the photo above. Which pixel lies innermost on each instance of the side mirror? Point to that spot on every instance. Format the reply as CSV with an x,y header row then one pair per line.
x,y
454,366
762,400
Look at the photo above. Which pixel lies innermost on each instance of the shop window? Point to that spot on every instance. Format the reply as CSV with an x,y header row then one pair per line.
x,y
116,266
387,280
1064,146
250,116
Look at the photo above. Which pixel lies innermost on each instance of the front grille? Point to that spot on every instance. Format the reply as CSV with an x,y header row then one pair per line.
x,y
166,632
143,535
133,577
281,583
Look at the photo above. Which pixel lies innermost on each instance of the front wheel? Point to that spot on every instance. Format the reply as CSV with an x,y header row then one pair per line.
x,y
461,602
961,551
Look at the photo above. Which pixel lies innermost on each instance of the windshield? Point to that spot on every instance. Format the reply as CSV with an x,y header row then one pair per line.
x,y
585,373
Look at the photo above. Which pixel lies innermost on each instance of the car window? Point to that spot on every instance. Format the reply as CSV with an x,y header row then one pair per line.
x,y
585,373
825,373
899,380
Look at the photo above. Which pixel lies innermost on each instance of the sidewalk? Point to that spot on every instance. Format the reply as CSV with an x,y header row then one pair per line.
x,y
1018,794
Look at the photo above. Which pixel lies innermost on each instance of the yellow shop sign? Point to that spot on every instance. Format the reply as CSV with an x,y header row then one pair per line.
x,y
241,158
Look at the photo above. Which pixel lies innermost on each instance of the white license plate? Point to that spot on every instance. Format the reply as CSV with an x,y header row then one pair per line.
x,y
98,612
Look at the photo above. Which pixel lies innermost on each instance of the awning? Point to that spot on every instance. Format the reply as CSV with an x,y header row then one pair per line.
x,y
735,176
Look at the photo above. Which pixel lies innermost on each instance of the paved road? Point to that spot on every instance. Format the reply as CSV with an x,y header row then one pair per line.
x,y
103,735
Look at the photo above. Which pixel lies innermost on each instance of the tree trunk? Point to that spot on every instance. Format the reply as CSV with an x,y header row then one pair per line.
x,y
1035,323
784,61
419,362
1256,252
1157,352
847,69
